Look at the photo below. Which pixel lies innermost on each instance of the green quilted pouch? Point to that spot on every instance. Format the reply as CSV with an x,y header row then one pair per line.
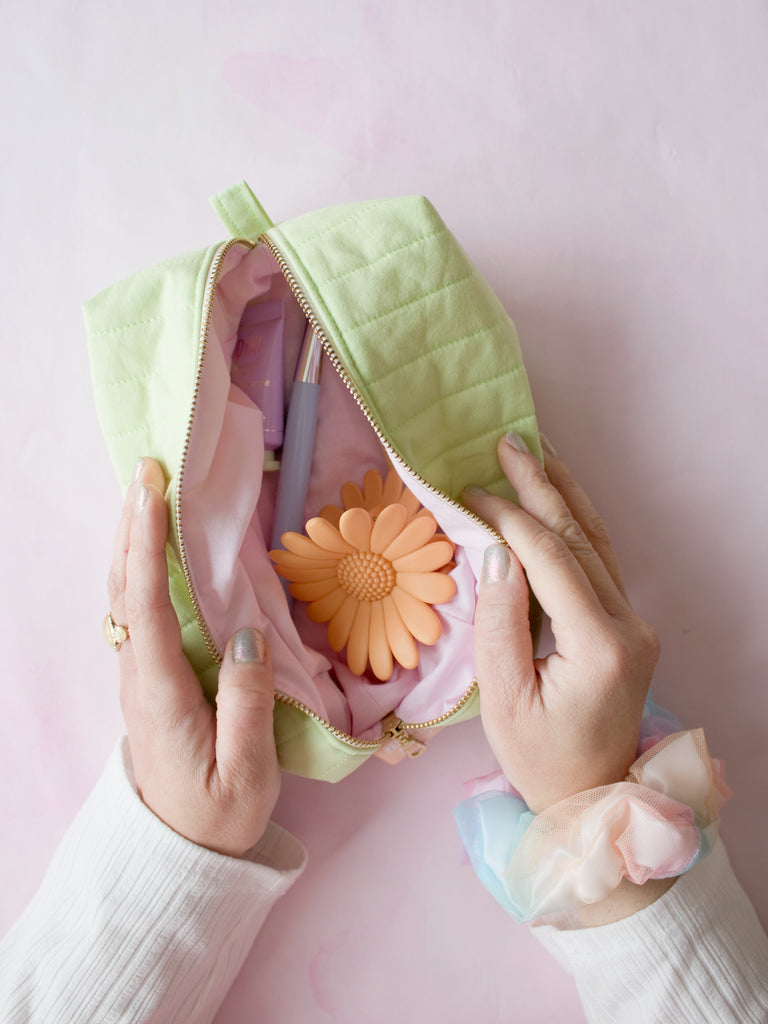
x,y
421,371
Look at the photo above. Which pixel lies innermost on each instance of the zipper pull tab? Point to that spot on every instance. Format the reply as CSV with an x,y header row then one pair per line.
x,y
398,744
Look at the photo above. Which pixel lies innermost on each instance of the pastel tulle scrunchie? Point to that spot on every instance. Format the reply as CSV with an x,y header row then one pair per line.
x,y
658,823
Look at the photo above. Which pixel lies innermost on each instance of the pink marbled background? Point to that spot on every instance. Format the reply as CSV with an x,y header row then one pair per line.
x,y
604,164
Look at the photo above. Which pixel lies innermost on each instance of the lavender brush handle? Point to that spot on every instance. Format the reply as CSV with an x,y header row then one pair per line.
x,y
295,461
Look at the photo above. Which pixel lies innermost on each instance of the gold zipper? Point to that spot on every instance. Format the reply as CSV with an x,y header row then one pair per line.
x,y
349,384
395,727
205,323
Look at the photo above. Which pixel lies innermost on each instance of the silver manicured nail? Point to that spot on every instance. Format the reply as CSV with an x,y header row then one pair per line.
x,y
516,441
547,445
249,645
495,564
137,470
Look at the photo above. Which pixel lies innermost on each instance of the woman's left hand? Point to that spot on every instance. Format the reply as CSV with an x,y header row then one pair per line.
x,y
212,776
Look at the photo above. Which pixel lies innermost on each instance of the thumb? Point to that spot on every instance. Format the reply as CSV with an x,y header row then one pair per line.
x,y
245,743
503,644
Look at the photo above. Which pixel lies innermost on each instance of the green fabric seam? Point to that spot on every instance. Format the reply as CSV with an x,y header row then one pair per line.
x,y
380,259
476,437
141,323
455,394
360,209
413,302
327,315
490,329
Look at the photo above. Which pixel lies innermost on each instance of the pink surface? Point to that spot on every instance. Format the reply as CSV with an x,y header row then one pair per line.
x,y
605,166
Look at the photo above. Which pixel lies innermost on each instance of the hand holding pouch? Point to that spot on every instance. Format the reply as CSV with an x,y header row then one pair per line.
x,y
422,371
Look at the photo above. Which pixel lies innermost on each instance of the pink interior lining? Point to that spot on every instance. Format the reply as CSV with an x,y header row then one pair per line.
x,y
227,505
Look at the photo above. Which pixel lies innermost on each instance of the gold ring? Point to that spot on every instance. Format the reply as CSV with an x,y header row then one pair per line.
x,y
114,634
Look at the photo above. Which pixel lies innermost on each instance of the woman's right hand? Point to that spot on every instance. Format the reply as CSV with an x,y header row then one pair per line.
x,y
568,722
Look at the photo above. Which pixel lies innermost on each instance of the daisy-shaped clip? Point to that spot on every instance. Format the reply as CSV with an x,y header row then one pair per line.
x,y
372,577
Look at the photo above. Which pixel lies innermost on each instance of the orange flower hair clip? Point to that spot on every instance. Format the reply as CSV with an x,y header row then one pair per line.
x,y
371,572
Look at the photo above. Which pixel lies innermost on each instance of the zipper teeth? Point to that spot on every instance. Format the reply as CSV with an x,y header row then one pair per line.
x,y
350,386
353,741
448,714
205,322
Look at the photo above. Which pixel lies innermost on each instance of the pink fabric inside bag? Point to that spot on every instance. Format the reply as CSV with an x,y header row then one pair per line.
x,y
227,505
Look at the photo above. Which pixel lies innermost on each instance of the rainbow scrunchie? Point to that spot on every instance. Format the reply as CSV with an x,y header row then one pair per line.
x,y
661,821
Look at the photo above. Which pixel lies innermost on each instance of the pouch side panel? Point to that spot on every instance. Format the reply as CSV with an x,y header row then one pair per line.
x,y
420,332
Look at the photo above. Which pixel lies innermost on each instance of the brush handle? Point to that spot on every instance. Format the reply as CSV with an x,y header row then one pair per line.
x,y
298,445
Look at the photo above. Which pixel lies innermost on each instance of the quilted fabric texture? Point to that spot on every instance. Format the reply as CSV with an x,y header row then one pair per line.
x,y
143,340
427,343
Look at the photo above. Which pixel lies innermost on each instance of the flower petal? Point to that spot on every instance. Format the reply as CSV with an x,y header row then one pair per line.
x,y
357,644
326,607
425,559
400,640
418,617
341,622
393,488
355,527
313,591
411,502
290,560
379,651
352,496
372,488
301,575
327,536
301,545
388,525
415,534
332,513
431,587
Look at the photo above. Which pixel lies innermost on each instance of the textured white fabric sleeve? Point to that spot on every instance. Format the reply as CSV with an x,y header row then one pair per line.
x,y
135,923
697,955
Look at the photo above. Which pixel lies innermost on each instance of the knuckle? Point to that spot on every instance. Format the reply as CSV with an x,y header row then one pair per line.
x,y
649,642
115,585
506,517
622,656
492,620
617,658
550,547
142,604
243,699
533,475
595,528
572,533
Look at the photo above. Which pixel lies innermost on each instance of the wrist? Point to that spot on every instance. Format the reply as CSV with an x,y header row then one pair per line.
x,y
656,825
627,899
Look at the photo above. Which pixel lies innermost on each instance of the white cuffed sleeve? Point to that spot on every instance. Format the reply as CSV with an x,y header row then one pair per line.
x,y
698,955
135,923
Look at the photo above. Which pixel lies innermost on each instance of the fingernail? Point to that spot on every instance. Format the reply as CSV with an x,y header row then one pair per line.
x,y
249,645
137,470
495,564
547,445
140,501
516,441
474,489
